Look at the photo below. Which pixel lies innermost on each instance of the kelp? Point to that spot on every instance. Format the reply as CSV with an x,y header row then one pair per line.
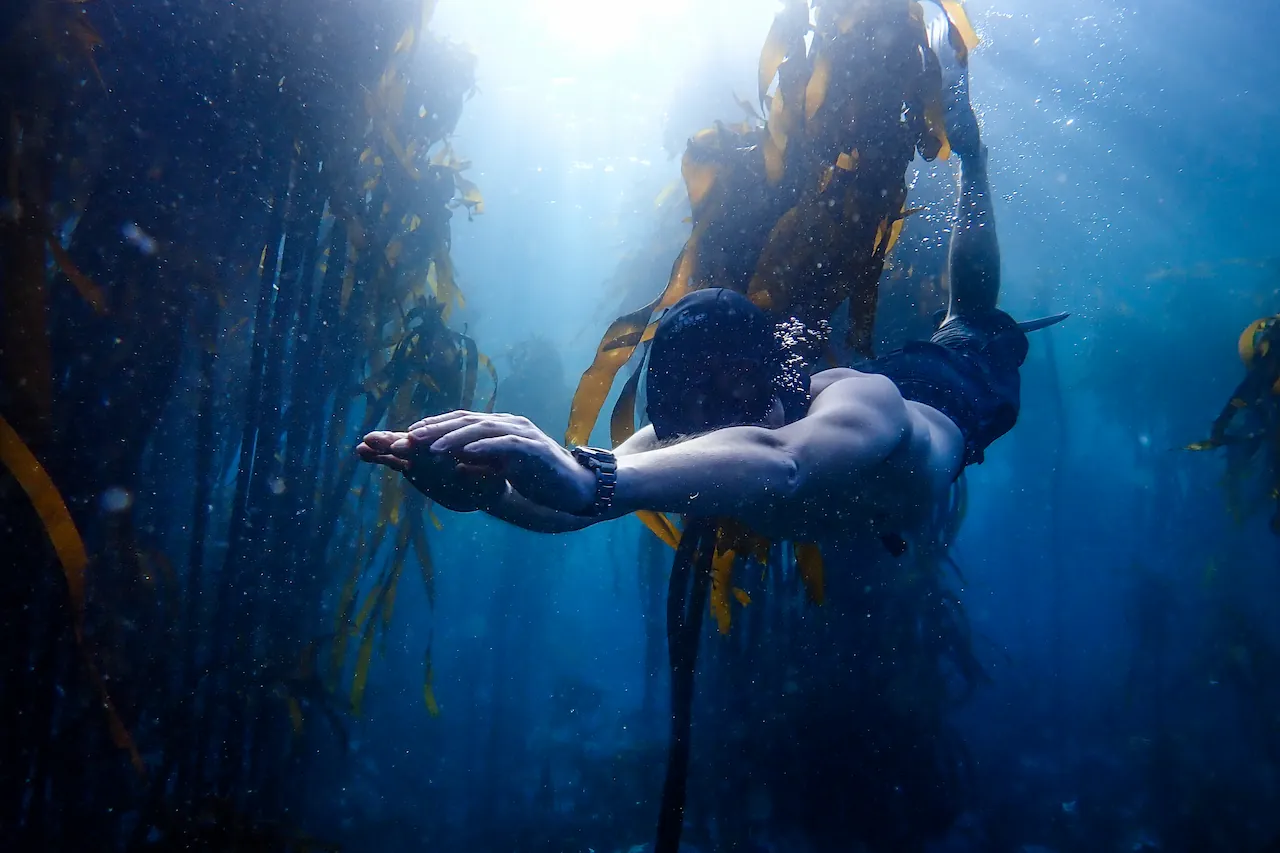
x,y
799,212
322,307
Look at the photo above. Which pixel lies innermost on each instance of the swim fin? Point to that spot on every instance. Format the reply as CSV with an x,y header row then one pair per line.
x,y
1042,322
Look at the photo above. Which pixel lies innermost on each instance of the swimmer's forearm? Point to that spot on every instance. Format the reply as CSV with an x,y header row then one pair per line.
x,y
974,261
745,472
515,508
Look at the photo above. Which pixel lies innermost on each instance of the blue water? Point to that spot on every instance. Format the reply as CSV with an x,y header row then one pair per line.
x,y
1130,145
1125,622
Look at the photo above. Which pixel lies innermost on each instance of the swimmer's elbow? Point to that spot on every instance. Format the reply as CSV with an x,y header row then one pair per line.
x,y
778,463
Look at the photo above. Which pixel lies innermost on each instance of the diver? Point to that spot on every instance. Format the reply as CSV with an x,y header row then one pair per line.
x,y
1255,402
857,453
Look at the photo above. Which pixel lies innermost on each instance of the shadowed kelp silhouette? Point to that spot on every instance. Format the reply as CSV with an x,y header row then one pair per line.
x,y
257,243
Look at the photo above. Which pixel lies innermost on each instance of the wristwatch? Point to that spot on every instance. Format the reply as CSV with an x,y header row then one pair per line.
x,y
605,466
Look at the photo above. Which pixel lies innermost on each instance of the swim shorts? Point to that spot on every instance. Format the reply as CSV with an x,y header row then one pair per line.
x,y
968,370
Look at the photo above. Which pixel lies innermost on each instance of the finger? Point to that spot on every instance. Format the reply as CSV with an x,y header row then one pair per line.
x,y
441,418
460,437
472,469
499,451
381,440
432,433
394,462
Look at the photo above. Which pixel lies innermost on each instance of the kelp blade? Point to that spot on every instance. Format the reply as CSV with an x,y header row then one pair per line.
x,y
52,510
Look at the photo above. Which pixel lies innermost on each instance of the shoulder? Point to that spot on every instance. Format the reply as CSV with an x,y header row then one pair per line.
x,y
913,439
844,392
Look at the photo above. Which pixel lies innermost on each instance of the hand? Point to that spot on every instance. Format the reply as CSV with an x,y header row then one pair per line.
x,y
532,462
441,477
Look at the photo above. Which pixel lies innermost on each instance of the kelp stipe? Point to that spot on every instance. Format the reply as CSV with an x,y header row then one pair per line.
x,y
686,601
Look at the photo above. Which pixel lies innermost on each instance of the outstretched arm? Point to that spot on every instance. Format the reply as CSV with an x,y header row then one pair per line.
x,y
974,260
762,477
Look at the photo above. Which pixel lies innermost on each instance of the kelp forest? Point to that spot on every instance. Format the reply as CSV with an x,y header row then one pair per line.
x,y
226,253
235,238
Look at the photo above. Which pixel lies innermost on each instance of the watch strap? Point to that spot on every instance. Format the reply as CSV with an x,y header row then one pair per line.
x,y
604,465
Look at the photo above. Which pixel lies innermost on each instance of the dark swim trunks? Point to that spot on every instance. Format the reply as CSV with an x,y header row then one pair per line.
x,y
968,370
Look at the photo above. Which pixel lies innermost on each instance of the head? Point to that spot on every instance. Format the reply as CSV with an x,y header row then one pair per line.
x,y
714,362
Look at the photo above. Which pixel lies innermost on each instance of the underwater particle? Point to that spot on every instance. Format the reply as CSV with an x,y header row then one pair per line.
x,y
422,112
140,239
1069,807
116,499
276,485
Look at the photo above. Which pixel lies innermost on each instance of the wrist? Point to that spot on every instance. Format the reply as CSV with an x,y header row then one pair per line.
x,y
499,497
595,480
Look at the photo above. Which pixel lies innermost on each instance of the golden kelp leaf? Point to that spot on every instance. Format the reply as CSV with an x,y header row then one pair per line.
x,y
428,690
774,163
825,181
597,380
960,25
295,715
721,578
622,425
1202,445
400,551
779,124
391,497
934,123
366,155
392,252
446,284
406,41
788,26
895,231
699,178
815,92
667,191
487,364
766,289
389,137
741,595
415,223
847,161
52,511
471,365
809,560
84,285
469,194
660,526
67,544
366,609
1246,346
771,55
